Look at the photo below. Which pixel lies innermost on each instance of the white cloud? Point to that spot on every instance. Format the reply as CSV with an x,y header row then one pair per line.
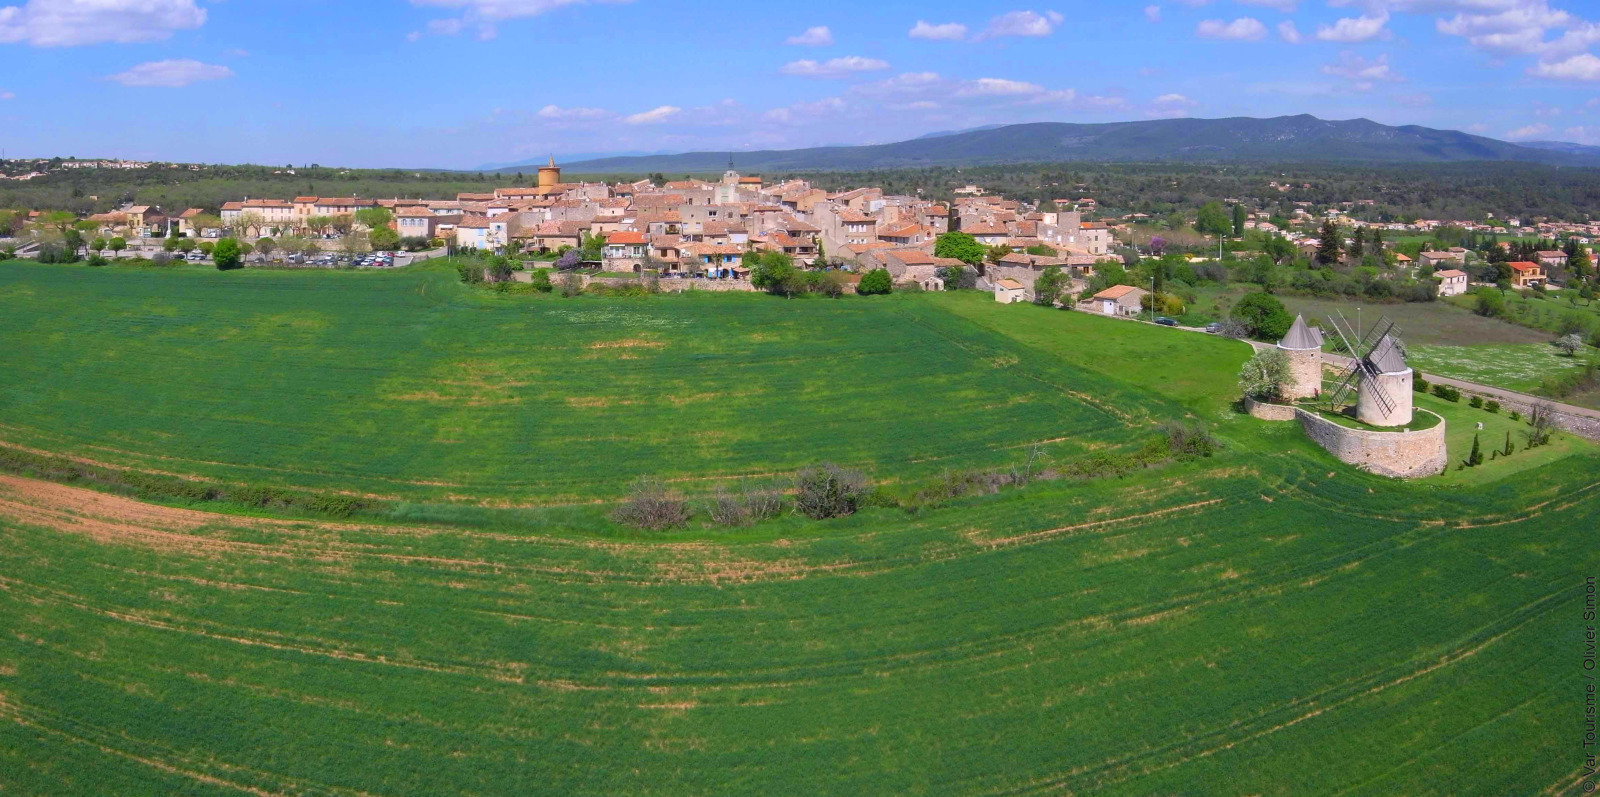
x,y
948,32
1351,30
819,36
483,15
171,74
1582,135
805,111
6,95
1242,29
63,23
1286,6
1175,100
1520,27
834,67
1288,32
1583,67
557,112
997,87
653,116
1152,13
1364,74
1524,133
1023,23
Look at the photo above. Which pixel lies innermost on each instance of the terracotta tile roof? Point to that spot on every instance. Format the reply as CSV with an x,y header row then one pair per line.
x,y
413,212
1116,292
1450,272
302,200
626,237
190,213
1523,265
1010,285
985,229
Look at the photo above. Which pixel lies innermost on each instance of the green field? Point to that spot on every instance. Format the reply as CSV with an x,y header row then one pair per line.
x,y
1264,621
1519,367
407,386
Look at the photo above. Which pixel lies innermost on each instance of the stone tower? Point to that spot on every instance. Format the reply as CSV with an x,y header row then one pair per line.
x,y
1384,396
550,176
1303,345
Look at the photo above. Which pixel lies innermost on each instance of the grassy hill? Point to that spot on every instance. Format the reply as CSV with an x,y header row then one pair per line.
x,y
1300,139
1263,621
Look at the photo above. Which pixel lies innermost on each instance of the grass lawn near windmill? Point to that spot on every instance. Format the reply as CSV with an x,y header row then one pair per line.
x,y
1463,420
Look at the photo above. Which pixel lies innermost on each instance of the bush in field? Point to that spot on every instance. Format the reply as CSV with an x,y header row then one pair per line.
x,y
828,491
1419,385
1476,402
1190,440
1447,393
571,285
541,280
227,254
652,507
1570,344
1492,406
749,506
875,283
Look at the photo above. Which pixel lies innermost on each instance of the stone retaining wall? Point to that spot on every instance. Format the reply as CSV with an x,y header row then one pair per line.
x,y
1269,412
1399,455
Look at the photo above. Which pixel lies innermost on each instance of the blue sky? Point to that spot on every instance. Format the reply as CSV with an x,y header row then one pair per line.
x,y
461,83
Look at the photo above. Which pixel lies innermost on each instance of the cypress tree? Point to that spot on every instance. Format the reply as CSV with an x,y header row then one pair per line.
x,y
1476,457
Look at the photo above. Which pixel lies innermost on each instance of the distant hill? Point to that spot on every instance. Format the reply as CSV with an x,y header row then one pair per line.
x,y
1565,147
1286,138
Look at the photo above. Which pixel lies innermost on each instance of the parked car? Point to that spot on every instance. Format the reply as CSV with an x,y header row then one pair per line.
x,y
1166,322
1213,328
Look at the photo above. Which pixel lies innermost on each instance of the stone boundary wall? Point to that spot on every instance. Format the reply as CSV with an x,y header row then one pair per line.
x,y
1269,412
1398,455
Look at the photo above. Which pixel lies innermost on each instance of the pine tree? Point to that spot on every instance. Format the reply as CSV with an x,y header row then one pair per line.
x,y
1329,248
1238,221
1358,246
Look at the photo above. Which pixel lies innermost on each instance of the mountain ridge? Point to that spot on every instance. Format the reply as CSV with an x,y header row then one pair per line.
x,y
1302,138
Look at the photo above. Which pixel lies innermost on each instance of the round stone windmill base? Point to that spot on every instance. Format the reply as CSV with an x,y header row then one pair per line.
x,y
1305,375
1398,455
1396,390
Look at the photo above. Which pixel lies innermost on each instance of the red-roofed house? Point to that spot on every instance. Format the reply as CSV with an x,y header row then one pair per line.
x,y
1119,300
1526,275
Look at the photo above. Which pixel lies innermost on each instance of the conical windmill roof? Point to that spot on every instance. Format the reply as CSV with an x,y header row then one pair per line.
x,y
1301,337
1386,357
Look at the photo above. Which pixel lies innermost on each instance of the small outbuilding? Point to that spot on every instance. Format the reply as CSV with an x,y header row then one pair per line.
x,y
1120,300
1009,291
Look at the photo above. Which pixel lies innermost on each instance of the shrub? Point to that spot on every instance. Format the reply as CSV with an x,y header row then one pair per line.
x,y
1476,402
1189,440
1419,384
1516,416
1492,406
876,283
652,507
749,506
227,254
571,285
1263,315
828,491
541,280
1447,393
1263,376
1570,344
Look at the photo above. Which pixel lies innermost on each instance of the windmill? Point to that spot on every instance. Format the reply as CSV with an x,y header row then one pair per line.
x,y
1377,373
